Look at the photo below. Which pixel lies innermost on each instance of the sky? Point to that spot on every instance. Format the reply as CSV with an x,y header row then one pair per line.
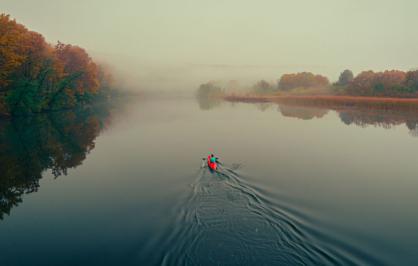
x,y
180,44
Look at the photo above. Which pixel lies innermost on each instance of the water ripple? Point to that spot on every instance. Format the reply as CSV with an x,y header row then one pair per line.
x,y
226,220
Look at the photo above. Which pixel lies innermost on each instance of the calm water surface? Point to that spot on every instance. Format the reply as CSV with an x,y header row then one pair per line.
x,y
126,187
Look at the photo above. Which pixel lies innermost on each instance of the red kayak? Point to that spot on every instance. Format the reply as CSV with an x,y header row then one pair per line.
x,y
212,166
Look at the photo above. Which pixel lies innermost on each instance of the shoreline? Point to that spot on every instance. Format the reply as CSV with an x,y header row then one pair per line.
x,y
329,101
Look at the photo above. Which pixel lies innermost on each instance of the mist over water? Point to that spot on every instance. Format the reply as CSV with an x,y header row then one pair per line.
x,y
179,45
125,184
297,186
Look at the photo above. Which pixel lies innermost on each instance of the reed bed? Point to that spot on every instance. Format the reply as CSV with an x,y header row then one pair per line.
x,y
330,101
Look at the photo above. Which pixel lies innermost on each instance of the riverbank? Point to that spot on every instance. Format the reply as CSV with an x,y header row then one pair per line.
x,y
38,77
329,101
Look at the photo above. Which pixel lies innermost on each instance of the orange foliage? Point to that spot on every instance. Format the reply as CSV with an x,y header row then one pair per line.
x,y
302,80
75,60
392,83
11,51
35,76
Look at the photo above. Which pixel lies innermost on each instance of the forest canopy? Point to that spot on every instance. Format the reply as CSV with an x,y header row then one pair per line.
x,y
36,76
302,80
389,83
393,83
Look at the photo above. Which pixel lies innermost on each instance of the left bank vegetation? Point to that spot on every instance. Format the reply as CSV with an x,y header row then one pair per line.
x,y
36,76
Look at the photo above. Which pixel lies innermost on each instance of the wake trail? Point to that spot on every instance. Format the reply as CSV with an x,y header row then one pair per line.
x,y
227,220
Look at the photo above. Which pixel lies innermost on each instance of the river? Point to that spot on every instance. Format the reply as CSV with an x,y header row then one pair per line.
x,y
128,186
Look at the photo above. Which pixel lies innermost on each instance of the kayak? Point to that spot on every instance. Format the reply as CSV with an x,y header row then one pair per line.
x,y
212,166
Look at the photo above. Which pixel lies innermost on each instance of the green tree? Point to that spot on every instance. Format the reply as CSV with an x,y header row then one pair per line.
x,y
345,77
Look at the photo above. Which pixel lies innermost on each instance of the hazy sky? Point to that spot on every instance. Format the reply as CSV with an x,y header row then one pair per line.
x,y
166,40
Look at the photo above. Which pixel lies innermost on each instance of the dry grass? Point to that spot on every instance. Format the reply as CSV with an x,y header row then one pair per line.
x,y
329,101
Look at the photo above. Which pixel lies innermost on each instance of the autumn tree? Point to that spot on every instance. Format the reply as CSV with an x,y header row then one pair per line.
x,y
12,36
390,83
32,82
362,84
79,76
411,80
36,77
302,80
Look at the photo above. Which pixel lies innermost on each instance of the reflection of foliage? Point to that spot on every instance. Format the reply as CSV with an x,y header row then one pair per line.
x,y
380,118
412,125
209,96
305,113
263,106
31,145
360,116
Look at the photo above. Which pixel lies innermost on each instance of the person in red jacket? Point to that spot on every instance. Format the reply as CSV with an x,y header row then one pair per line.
x,y
212,162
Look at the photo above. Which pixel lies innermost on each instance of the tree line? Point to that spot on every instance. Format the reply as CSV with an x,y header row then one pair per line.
x,y
390,83
36,76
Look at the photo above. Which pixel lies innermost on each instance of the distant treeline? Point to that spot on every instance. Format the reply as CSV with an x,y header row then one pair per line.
x,y
36,76
393,83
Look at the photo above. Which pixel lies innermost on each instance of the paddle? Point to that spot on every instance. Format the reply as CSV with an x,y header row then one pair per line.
x,y
203,163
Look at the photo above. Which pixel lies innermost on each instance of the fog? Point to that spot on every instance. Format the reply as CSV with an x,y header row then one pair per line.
x,y
177,45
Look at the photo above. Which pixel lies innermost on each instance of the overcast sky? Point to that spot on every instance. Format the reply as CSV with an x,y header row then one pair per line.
x,y
261,39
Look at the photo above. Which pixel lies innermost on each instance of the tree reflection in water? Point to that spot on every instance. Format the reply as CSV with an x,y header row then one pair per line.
x,y
209,96
362,117
31,145
305,113
386,118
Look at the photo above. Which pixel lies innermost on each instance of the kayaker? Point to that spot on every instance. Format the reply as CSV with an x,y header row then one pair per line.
x,y
213,159
212,162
